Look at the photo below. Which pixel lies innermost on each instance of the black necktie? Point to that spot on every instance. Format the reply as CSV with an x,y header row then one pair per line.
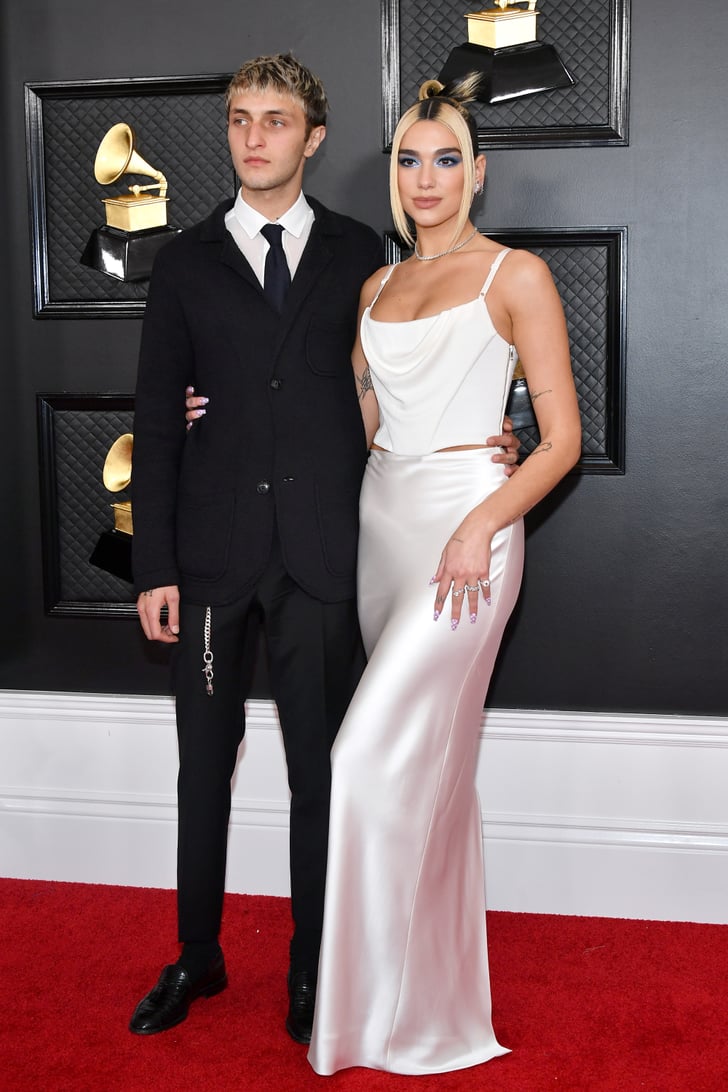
x,y
276,276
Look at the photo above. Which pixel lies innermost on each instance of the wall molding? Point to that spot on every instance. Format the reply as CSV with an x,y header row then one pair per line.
x,y
584,813
608,728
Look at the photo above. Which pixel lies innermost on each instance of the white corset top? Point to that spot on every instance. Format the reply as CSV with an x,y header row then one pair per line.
x,y
441,381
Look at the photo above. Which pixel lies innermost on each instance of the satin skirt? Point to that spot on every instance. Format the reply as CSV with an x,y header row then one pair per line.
x,y
403,975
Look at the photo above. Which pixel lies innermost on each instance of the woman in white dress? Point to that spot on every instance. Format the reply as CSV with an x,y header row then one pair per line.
x,y
403,975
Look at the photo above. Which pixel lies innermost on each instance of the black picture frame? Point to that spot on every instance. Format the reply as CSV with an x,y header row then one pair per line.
x,y
417,36
180,125
589,266
75,432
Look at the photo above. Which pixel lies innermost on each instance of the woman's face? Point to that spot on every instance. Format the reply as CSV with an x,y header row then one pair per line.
x,y
430,173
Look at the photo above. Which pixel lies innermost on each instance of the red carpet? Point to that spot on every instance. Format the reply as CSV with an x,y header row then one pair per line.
x,y
584,1003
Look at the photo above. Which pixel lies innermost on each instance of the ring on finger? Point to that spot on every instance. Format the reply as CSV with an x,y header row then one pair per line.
x,y
483,583
470,587
458,592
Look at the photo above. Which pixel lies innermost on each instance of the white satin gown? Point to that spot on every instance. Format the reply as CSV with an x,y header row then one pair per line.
x,y
403,976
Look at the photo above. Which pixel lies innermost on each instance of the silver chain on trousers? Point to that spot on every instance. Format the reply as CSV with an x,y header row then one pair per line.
x,y
207,654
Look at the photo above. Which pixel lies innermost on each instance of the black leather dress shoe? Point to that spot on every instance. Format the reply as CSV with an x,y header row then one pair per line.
x,y
169,1002
301,996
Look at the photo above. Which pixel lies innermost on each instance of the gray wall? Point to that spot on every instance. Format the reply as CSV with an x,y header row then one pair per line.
x,y
624,603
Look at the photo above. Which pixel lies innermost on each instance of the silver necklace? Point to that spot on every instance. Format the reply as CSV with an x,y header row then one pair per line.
x,y
450,250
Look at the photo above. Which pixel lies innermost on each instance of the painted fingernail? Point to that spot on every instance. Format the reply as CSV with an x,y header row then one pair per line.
x,y
488,601
436,615
204,401
454,624
473,618
433,581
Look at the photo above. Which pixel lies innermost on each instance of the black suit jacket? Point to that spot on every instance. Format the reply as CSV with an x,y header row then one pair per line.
x,y
282,440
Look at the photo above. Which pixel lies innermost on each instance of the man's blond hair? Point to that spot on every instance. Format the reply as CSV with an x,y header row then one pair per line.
x,y
282,72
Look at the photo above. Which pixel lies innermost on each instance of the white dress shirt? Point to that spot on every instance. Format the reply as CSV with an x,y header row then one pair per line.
x,y
244,224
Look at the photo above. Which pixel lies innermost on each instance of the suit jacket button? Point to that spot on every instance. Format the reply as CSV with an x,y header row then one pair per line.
x,y
262,487
276,384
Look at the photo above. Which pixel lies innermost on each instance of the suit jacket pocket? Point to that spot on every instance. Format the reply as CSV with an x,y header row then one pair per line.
x,y
204,531
338,520
328,347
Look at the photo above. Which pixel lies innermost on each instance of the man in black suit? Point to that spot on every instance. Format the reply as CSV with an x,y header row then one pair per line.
x,y
255,514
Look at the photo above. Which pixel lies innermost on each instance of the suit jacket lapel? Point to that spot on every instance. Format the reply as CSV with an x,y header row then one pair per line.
x,y
232,256
317,255
214,231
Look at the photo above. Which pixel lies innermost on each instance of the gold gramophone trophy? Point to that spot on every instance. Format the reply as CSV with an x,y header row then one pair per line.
x,y
503,47
136,222
113,549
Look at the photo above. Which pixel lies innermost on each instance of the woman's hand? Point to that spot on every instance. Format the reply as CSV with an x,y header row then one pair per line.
x,y
195,406
464,570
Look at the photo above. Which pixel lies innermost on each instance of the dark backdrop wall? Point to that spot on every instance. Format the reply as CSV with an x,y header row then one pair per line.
x,y
626,594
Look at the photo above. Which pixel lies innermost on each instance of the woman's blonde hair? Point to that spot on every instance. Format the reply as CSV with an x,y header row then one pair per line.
x,y
446,105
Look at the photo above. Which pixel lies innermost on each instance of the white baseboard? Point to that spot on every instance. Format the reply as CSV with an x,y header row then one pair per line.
x,y
618,815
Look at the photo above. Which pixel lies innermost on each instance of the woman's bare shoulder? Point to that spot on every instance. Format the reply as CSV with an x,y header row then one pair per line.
x,y
526,268
525,286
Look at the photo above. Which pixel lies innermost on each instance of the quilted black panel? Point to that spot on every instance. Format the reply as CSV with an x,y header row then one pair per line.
x,y
581,278
76,432
588,291
184,136
578,28
586,34
180,129
83,439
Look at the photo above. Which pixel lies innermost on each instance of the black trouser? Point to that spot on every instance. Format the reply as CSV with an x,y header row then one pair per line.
x,y
315,660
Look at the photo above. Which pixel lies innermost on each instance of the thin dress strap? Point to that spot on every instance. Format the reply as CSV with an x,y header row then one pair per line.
x,y
492,271
382,283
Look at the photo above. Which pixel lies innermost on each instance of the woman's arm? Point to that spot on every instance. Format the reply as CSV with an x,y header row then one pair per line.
x,y
538,330
362,376
541,339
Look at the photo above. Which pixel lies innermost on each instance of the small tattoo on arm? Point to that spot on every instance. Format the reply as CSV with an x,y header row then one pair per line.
x,y
539,393
365,382
545,446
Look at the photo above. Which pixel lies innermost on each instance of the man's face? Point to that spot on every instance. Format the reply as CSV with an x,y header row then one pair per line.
x,y
268,141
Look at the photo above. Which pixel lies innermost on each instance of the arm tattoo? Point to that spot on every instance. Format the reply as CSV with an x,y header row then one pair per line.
x,y
365,382
519,516
539,393
545,446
